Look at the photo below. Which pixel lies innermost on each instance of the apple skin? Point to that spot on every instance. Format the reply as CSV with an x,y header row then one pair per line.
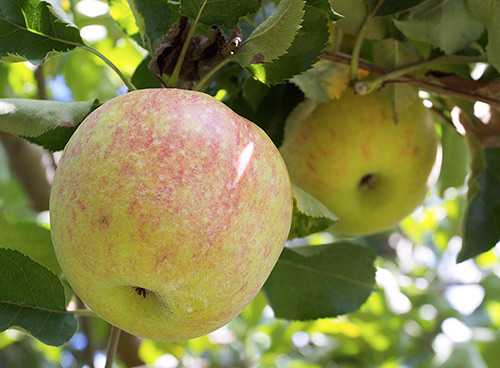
x,y
168,212
351,155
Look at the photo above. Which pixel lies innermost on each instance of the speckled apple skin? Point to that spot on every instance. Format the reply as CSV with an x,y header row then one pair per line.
x,y
170,191
331,147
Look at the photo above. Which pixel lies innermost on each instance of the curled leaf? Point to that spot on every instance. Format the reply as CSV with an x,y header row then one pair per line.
x,y
309,215
203,52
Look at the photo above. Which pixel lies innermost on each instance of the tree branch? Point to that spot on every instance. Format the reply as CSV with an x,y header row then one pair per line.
x,y
373,68
26,163
445,90
346,59
114,336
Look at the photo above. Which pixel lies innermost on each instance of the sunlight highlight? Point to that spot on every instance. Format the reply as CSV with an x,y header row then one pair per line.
x,y
455,118
92,8
6,108
93,33
243,161
482,111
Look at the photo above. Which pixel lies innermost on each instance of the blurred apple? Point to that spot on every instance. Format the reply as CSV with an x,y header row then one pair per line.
x,y
366,168
168,212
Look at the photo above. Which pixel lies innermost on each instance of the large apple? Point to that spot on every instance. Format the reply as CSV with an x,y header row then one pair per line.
x,y
366,168
168,212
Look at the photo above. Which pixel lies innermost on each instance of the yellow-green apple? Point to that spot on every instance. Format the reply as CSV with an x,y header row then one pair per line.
x,y
168,212
366,168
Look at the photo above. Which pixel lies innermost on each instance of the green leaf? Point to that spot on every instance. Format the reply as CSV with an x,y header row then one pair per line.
x,y
488,13
32,298
326,6
143,77
323,82
305,50
322,281
394,54
153,17
30,118
34,28
223,13
55,139
450,26
454,164
309,215
393,7
273,37
145,20
31,239
482,218
123,15
266,106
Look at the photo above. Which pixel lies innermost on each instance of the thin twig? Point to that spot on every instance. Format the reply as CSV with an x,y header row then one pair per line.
x,y
82,312
40,82
114,337
419,66
353,70
172,81
346,59
86,328
370,67
445,90
125,80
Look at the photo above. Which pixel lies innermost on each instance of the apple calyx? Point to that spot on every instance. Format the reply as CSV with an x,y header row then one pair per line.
x,y
368,182
141,291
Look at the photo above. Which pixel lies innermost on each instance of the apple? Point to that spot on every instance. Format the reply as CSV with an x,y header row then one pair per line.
x,y
351,155
168,212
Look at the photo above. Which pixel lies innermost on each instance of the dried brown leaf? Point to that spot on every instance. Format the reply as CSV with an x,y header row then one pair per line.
x,y
202,54
168,50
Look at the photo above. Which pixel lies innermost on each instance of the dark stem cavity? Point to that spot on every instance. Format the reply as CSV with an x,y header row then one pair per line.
x,y
367,182
141,291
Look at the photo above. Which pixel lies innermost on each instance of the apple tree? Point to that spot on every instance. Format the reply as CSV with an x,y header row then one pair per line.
x,y
387,115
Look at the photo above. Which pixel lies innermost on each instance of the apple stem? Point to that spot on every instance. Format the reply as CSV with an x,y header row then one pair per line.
x,y
353,71
172,81
83,312
125,80
201,85
114,337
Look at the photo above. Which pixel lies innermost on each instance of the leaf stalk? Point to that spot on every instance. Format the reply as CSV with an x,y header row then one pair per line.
x,y
114,337
360,37
83,312
125,80
201,85
172,81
